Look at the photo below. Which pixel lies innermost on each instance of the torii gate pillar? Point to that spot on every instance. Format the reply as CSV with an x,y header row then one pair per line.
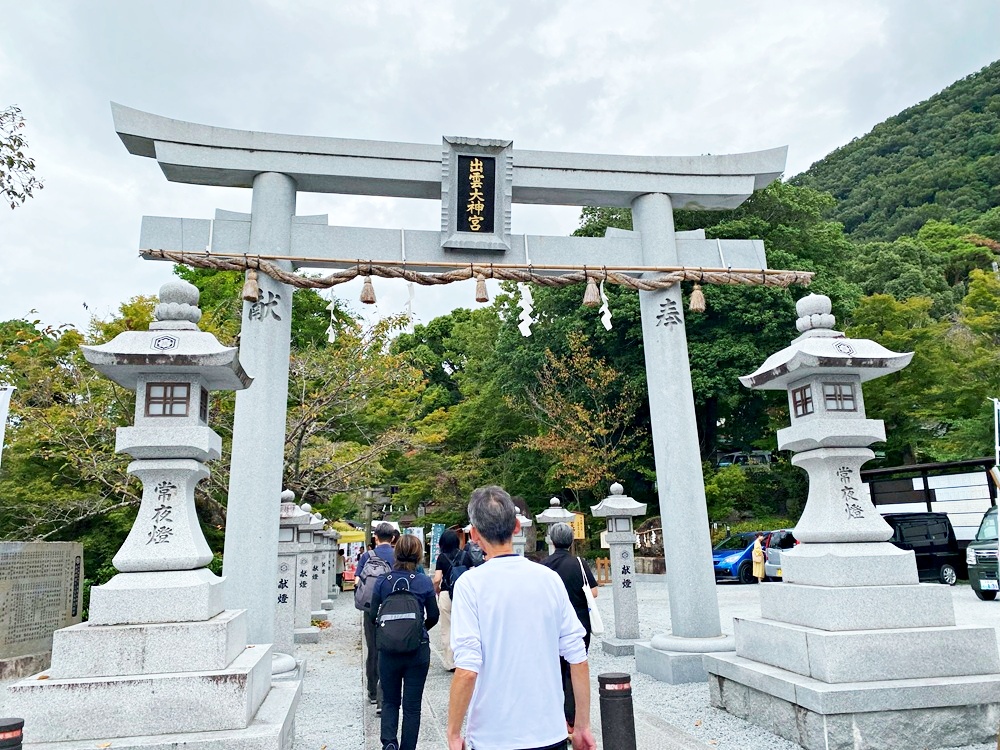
x,y
694,606
259,424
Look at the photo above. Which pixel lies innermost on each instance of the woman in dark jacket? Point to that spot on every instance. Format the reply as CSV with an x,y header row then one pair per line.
x,y
574,574
402,675
449,555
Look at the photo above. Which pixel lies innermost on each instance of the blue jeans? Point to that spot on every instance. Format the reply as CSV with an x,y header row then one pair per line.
x,y
402,678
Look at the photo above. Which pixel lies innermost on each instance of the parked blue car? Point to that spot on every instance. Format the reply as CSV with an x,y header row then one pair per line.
x,y
732,557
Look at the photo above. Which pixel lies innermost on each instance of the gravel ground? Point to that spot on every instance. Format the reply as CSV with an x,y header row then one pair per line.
x,y
333,715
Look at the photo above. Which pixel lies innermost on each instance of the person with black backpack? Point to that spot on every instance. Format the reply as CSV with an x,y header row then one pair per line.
x,y
372,564
449,566
406,610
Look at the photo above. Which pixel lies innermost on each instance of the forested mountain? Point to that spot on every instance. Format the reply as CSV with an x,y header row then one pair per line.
x,y
939,159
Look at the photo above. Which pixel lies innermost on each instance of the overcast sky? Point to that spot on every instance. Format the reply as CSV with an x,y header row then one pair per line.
x,y
653,78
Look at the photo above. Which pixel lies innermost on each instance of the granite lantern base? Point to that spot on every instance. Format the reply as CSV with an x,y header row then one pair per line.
x,y
883,667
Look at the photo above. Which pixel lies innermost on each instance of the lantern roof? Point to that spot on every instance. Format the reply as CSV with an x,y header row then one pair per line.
x,y
173,345
821,349
618,504
555,513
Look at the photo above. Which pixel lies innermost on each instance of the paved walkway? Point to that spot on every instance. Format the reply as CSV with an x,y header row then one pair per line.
x,y
333,714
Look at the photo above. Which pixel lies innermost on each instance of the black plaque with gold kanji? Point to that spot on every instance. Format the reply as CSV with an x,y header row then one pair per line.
x,y
476,194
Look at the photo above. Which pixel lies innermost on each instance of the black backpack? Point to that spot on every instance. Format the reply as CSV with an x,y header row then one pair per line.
x,y
400,619
458,566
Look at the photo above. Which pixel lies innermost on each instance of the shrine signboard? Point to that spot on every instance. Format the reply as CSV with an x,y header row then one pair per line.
x,y
41,591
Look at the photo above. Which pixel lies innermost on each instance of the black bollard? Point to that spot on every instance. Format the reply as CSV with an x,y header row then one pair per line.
x,y
10,733
617,717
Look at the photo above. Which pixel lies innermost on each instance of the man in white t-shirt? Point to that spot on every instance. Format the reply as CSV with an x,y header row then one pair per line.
x,y
511,620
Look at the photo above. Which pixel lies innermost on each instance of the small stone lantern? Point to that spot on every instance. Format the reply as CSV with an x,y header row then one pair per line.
x,y
619,510
520,539
555,513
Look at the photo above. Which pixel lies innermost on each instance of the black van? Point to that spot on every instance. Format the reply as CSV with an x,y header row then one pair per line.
x,y
981,557
932,540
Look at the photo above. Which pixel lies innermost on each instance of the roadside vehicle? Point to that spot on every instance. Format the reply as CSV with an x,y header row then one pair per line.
x,y
932,539
775,542
746,459
981,557
731,557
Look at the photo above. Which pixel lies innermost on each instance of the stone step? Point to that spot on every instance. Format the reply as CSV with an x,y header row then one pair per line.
x,y
272,728
882,715
107,707
869,655
88,650
858,607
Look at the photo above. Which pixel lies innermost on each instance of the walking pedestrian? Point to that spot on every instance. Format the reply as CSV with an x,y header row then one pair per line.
x,y
383,550
511,620
402,673
575,574
339,567
449,555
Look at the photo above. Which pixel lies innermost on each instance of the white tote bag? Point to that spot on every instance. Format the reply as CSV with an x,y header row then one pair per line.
x,y
596,623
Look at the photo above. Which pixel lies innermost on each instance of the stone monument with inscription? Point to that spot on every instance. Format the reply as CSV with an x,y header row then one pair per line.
x,y
161,662
41,591
853,651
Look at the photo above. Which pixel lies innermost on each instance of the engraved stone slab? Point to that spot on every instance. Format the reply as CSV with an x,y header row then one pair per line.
x,y
41,589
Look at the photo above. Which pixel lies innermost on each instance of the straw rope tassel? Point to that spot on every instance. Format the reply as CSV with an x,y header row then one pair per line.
x,y
251,289
591,297
368,292
697,301
481,295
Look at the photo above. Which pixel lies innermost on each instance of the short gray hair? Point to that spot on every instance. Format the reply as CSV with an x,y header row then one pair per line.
x,y
493,514
561,535
384,531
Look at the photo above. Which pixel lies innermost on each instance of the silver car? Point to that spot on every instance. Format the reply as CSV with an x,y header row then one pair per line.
x,y
777,541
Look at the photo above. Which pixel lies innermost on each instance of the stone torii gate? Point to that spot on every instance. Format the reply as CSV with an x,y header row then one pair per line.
x,y
476,181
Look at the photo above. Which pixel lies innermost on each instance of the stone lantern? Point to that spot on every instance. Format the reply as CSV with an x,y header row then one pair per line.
x,y
619,510
853,650
555,513
291,518
305,631
520,539
160,661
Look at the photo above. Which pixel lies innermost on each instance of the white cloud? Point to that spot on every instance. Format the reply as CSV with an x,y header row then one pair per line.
x,y
644,77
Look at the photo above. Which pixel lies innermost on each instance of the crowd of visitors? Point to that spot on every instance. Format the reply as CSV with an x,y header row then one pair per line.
x,y
514,633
